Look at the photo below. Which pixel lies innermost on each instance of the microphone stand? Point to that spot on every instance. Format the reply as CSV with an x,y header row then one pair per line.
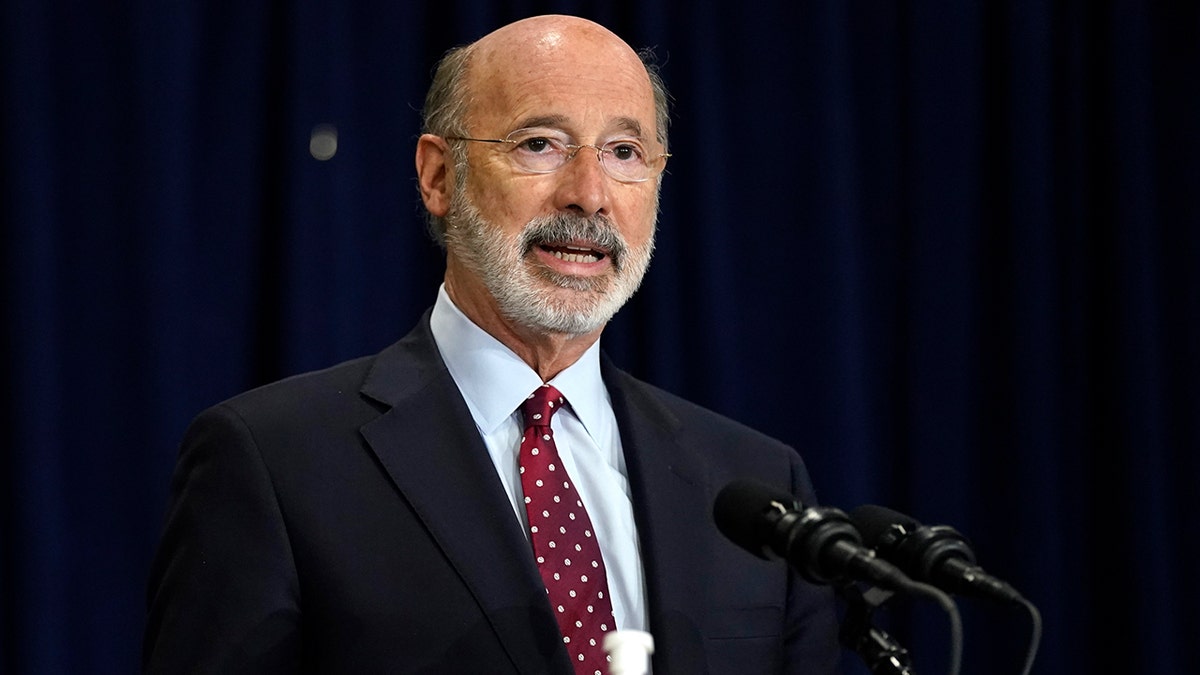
x,y
878,650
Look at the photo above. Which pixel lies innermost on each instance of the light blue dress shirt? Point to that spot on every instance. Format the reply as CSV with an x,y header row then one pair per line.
x,y
494,382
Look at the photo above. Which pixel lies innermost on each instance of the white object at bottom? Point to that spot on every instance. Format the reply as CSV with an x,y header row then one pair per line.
x,y
630,652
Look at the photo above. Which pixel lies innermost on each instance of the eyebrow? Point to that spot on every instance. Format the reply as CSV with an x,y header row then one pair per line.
x,y
554,121
626,124
631,125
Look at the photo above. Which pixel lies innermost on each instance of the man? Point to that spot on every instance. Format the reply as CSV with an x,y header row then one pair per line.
x,y
376,516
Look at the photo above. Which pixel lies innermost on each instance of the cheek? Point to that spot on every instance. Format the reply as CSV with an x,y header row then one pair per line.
x,y
507,204
639,217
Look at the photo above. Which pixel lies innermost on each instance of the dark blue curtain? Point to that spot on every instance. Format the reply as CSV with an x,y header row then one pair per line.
x,y
948,250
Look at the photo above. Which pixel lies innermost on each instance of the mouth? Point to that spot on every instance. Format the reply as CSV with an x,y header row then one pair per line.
x,y
574,247
575,253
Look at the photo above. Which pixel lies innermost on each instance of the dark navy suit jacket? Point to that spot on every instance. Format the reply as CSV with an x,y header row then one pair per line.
x,y
351,521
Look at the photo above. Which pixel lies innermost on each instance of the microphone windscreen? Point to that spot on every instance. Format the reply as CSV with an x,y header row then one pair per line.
x,y
873,522
746,512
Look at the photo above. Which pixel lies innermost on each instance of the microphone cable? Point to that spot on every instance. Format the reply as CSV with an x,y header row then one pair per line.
x,y
953,616
1035,636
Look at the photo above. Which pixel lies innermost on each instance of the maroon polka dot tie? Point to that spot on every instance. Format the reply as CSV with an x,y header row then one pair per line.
x,y
564,543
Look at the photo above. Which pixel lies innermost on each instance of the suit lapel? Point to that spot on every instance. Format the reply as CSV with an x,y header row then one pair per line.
x,y
428,445
671,505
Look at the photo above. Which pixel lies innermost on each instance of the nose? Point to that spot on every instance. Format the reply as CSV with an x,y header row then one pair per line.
x,y
584,185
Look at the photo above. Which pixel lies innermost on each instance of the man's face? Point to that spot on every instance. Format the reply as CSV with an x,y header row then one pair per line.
x,y
557,252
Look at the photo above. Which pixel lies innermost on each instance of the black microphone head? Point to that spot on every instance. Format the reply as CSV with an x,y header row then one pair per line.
x,y
920,549
818,542
748,511
937,554
879,524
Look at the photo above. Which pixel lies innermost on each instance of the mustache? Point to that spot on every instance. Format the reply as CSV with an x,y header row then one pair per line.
x,y
597,230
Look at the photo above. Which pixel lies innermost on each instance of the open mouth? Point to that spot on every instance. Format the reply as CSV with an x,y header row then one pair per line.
x,y
574,254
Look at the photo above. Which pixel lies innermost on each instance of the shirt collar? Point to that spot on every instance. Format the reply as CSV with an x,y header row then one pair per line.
x,y
495,381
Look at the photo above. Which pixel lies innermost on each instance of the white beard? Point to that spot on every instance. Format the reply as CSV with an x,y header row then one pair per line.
x,y
533,295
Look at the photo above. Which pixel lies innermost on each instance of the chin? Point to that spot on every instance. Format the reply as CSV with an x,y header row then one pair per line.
x,y
563,310
571,319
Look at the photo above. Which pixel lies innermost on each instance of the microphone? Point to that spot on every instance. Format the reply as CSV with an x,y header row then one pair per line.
x,y
825,547
821,543
936,554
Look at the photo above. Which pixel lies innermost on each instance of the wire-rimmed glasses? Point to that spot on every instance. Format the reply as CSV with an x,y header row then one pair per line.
x,y
542,150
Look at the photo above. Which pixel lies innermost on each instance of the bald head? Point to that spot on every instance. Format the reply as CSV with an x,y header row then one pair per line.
x,y
535,47
465,74
547,36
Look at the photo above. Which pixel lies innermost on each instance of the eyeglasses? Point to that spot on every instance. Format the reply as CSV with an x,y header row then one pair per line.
x,y
540,150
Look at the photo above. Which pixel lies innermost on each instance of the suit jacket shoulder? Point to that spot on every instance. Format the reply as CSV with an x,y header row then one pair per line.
x,y
723,445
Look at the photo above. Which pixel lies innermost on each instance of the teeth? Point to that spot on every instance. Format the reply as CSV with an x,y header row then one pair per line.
x,y
576,257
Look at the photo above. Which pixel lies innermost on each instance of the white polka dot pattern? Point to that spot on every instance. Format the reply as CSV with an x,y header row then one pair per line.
x,y
578,595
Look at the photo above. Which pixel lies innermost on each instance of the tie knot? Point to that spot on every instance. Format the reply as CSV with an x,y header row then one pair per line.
x,y
541,405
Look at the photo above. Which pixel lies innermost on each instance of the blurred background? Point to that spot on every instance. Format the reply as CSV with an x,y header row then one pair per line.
x,y
947,250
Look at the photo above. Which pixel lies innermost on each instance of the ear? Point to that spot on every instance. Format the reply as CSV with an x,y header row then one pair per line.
x,y
433,173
